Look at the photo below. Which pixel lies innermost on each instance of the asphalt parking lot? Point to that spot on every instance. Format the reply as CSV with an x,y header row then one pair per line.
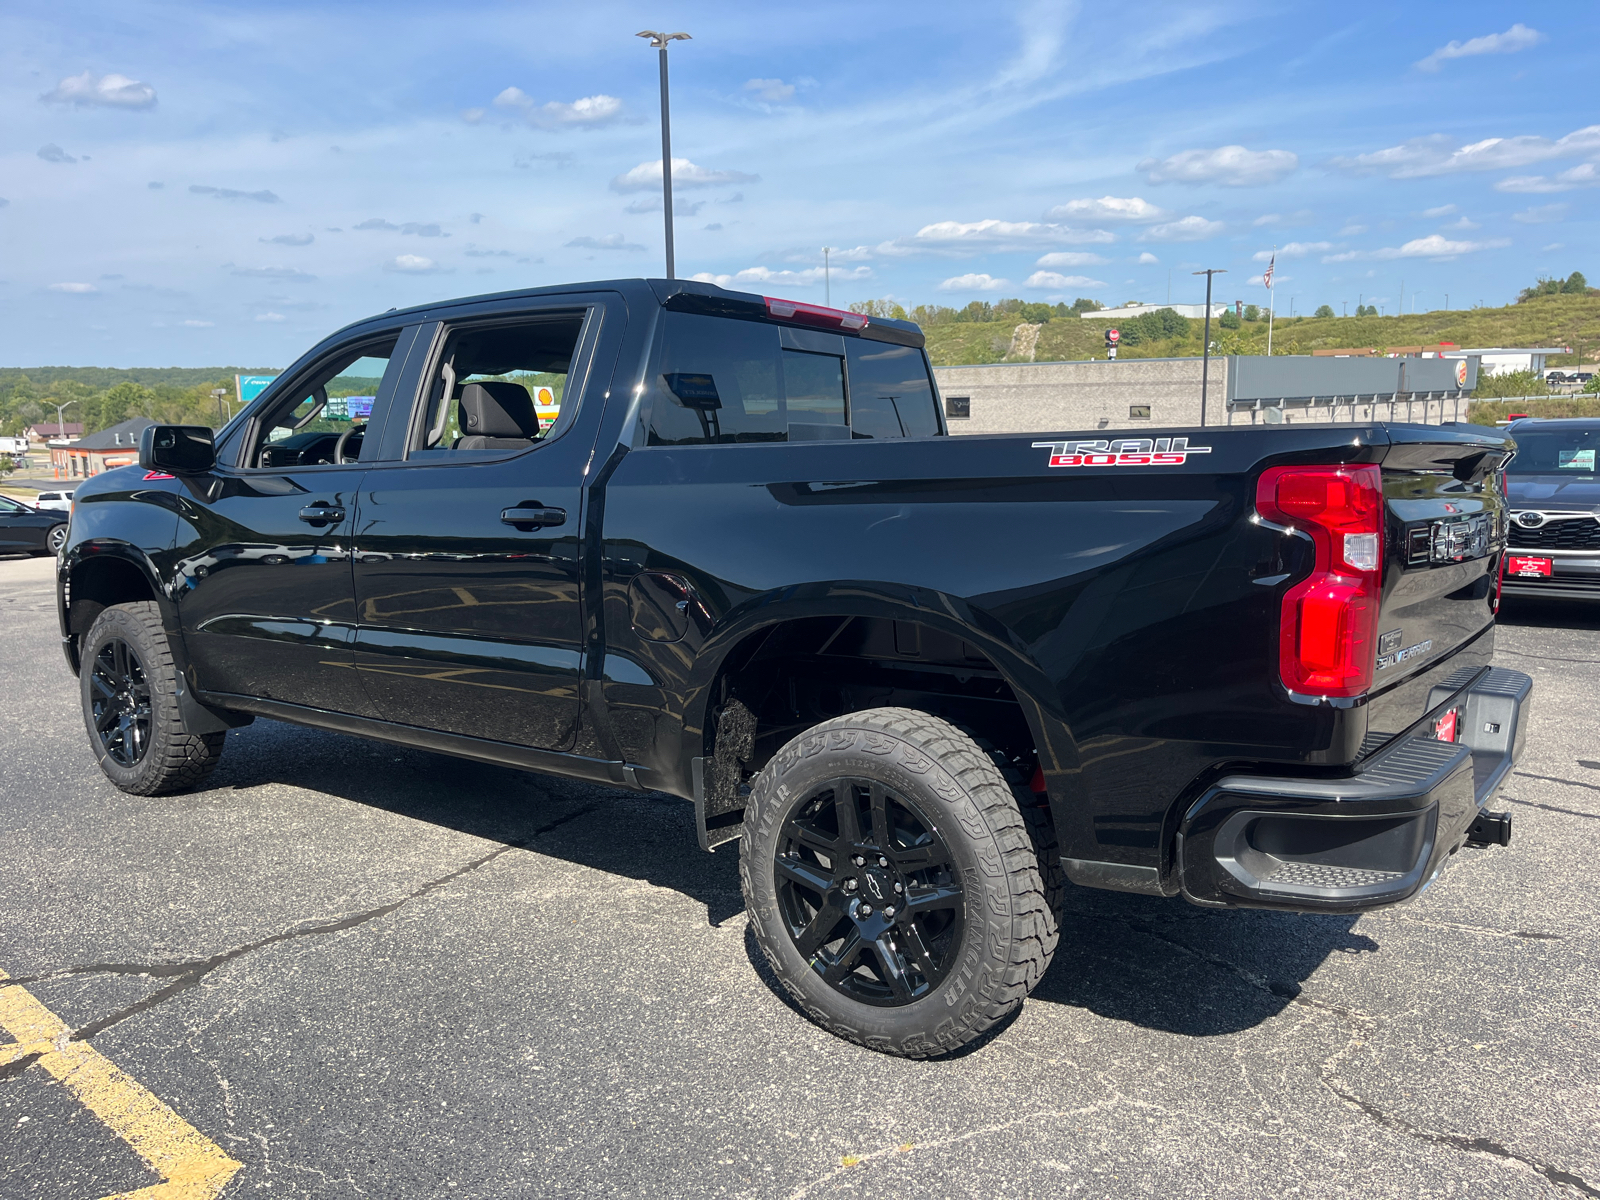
x,y
349,970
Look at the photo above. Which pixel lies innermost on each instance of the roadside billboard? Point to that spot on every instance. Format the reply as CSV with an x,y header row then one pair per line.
x,y
249,387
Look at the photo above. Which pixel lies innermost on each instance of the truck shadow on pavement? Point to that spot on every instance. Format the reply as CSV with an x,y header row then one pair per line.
x,y
1160,964
1532,612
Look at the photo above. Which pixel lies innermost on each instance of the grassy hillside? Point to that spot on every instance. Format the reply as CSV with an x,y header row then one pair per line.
x,y
1561,320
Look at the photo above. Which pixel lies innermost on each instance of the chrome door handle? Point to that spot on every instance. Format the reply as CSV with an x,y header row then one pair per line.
x,y
322,514
533,518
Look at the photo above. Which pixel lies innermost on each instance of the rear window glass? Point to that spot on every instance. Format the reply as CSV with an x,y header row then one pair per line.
x,y
719,381
1556,452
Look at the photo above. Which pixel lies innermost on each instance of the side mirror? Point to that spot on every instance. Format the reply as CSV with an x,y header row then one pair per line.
x,y
178,449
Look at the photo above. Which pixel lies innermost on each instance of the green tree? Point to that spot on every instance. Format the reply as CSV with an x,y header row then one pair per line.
x,y
1252,313
1323,310
1593,385
1083,304
1511,383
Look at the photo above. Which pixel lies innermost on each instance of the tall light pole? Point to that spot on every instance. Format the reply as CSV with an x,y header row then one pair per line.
x,y
1205,349
61,426
217,394
827,277
659,41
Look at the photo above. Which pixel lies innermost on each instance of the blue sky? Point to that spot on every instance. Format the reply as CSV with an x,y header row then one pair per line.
x,y
204,184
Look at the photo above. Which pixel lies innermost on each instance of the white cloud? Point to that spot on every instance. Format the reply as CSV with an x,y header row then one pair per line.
x,y
1108,208
1070,258
1146,257
1583,175
200,324
417,228
973,283
77,289
590,112
1541,214
765,275
51,152
261,197
289,273
413,264
965,237
1444,210
1293,250
685,174
289,239
1188,229
1231,166
1437,154
652,204
1554,246
1434,246
1052,280
1518,37
108,91
770,90
611,241
1302,217
1463,224
1352,230
473,115
271,316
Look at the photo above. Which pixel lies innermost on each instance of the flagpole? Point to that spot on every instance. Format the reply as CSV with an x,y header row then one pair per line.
x,y
1270,302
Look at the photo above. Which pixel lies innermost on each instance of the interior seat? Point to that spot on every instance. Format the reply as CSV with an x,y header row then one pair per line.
x,y
496,415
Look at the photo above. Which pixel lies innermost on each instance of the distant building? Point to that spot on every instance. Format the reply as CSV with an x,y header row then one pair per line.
x,y
1503,360
1194,311
50,431
106,450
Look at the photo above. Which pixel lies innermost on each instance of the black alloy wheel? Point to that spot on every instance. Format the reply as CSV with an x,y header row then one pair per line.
x,y
120,699
869,893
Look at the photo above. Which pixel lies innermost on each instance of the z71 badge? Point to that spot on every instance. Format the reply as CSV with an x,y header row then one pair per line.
x,y
1122,452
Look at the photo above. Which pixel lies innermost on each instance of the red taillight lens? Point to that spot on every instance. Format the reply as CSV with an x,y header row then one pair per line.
x,y
814,314
1328,627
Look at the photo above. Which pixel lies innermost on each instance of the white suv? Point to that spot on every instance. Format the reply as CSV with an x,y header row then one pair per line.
x,y
54,501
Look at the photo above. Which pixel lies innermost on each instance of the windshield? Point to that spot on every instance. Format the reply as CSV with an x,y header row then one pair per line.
x,y
1556,452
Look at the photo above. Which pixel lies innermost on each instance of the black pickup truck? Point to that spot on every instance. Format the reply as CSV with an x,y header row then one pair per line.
x,y
928,680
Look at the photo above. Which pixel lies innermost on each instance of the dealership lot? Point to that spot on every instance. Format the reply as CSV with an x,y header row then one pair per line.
x,y
346,969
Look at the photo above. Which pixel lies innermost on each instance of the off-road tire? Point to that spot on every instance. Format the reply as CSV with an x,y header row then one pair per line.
x,y
1009,927
175,759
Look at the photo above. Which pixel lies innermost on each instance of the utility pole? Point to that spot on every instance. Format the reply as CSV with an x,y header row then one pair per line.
x,y
827,278
61,426
1205,349
1401,311
659,41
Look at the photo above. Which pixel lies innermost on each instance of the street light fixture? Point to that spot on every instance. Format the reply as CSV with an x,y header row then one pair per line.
x,y
217,394
61,426
659,42
1205,349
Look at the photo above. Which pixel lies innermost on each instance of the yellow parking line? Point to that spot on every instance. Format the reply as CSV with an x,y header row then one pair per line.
x,y
191,1166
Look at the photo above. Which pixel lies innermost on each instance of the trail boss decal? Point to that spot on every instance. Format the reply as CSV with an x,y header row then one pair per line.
x,y
1122,452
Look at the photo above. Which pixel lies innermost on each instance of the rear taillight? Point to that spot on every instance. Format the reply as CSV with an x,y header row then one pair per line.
x,y
1328,626
814,314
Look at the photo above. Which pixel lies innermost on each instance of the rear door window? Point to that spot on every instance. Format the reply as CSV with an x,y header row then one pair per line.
x,y
722,381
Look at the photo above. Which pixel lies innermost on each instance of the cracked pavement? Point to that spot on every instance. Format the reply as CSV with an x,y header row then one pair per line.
x,y
370,971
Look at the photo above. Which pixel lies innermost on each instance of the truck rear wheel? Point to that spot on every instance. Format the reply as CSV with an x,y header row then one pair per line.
x,y
129,686
892,882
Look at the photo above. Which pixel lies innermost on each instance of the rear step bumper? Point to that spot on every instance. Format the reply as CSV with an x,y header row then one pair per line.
x,y
1375,838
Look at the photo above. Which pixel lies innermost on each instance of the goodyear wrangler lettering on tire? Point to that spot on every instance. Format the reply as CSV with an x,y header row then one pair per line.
x,y
893,884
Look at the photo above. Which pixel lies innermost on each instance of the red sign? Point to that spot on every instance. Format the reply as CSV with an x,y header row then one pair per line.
x,y
1529,568
1112,335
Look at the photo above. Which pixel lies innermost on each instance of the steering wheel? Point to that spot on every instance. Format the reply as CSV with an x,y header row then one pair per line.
x,y
344,438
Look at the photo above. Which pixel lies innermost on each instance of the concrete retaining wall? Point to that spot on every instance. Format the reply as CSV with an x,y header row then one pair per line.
x,y
1048,397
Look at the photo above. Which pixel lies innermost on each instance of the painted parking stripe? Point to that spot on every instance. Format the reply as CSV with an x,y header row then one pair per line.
x,y
191,1165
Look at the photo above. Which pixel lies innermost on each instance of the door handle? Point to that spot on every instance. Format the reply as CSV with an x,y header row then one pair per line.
x,y
533,517
322,514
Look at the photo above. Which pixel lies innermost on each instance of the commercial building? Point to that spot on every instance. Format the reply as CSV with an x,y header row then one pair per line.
x,y
50,431
106,450
1240,389
1506,360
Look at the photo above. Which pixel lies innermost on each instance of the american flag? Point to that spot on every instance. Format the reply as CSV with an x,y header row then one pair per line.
x,y
1266,278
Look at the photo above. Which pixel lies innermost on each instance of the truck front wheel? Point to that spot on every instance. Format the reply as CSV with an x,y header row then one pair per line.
x,y
129,688
892,883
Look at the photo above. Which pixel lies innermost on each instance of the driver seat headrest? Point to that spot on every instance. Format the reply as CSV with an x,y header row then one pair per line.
x,y
497,415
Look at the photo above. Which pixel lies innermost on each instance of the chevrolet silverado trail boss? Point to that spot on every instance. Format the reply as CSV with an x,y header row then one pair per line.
x,y
927,680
